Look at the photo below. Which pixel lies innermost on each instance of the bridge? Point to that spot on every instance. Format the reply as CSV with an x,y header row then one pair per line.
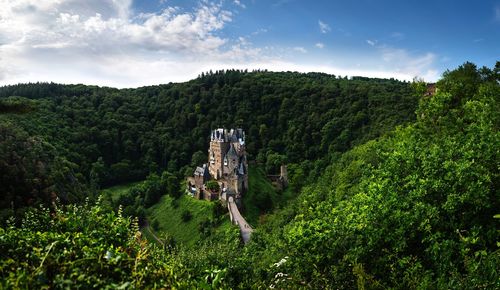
x,y
236,218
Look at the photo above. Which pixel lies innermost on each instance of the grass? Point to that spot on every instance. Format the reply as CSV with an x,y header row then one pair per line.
x,y
170,219
116,191
149,236
261,195
260,198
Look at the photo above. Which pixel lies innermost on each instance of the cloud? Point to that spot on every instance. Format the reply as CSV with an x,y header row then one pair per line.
x,y
31,24
259,31
371,42
397,36
355,70
402,61
497,13
300,49
105,42
89,41
323,27
238,3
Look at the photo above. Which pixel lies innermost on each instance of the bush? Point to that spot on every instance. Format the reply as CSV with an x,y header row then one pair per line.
x,y
186,215
84,247
155,224
212,185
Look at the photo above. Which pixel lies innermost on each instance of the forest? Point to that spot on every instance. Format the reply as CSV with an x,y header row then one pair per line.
x,y
74,136
392,187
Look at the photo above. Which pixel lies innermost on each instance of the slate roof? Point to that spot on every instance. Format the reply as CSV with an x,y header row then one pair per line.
x,y
232,152
201,171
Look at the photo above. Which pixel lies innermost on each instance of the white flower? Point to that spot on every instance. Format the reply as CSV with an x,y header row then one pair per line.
x,y
108,255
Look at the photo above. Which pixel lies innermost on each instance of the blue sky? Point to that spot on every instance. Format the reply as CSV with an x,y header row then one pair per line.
x,y
127,43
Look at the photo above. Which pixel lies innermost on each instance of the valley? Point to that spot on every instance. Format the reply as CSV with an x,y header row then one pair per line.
x,y
387,185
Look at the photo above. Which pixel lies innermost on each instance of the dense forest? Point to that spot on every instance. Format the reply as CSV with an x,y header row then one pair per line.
x,y
94,137
395,188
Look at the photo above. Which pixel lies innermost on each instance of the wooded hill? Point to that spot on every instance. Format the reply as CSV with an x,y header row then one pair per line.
x,y
102,136
412,207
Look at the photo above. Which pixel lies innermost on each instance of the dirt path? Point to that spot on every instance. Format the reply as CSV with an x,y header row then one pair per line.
x,y
148,228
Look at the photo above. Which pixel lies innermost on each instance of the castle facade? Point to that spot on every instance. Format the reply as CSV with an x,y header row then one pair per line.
x,y
227,165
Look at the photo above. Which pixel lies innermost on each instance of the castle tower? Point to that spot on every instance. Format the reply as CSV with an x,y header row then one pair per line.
x,y
227,161
216,153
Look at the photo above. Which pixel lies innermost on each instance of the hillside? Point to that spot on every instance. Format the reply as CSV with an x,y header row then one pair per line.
x,y
105,136
183,219
393,192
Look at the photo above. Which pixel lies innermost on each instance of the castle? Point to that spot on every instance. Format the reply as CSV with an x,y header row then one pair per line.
x,y
227,165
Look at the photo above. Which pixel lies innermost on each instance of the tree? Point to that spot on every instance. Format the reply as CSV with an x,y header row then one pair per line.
x,y
97,174
198,159
274,161
172,184
212,185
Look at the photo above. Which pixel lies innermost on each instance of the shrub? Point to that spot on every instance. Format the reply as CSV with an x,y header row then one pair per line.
x,y
212,185
186,215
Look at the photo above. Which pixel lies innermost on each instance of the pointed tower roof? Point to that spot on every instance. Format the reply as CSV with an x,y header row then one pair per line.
x,y
241,169
232,152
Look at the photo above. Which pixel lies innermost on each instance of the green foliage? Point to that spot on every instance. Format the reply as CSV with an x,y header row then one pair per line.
x,y
186,215
87,247
198,158
32,171
414,209
171,182
170,217
261,195
274,161
212,185
137,196
16,105
112,136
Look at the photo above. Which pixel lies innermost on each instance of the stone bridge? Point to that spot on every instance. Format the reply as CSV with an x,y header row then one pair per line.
x,y
237,219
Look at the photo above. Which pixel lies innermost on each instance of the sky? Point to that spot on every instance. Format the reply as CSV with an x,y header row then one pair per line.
x,y
132,43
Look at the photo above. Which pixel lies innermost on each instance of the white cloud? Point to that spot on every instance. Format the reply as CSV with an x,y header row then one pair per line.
x,y
238,3
323,27
397,36
411,64
259,31
300,49
320,45
355,70
104,42
371,42
64,40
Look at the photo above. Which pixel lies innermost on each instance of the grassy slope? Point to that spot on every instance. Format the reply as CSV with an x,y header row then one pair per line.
x,y
258,186
170,218
116,191
148,235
